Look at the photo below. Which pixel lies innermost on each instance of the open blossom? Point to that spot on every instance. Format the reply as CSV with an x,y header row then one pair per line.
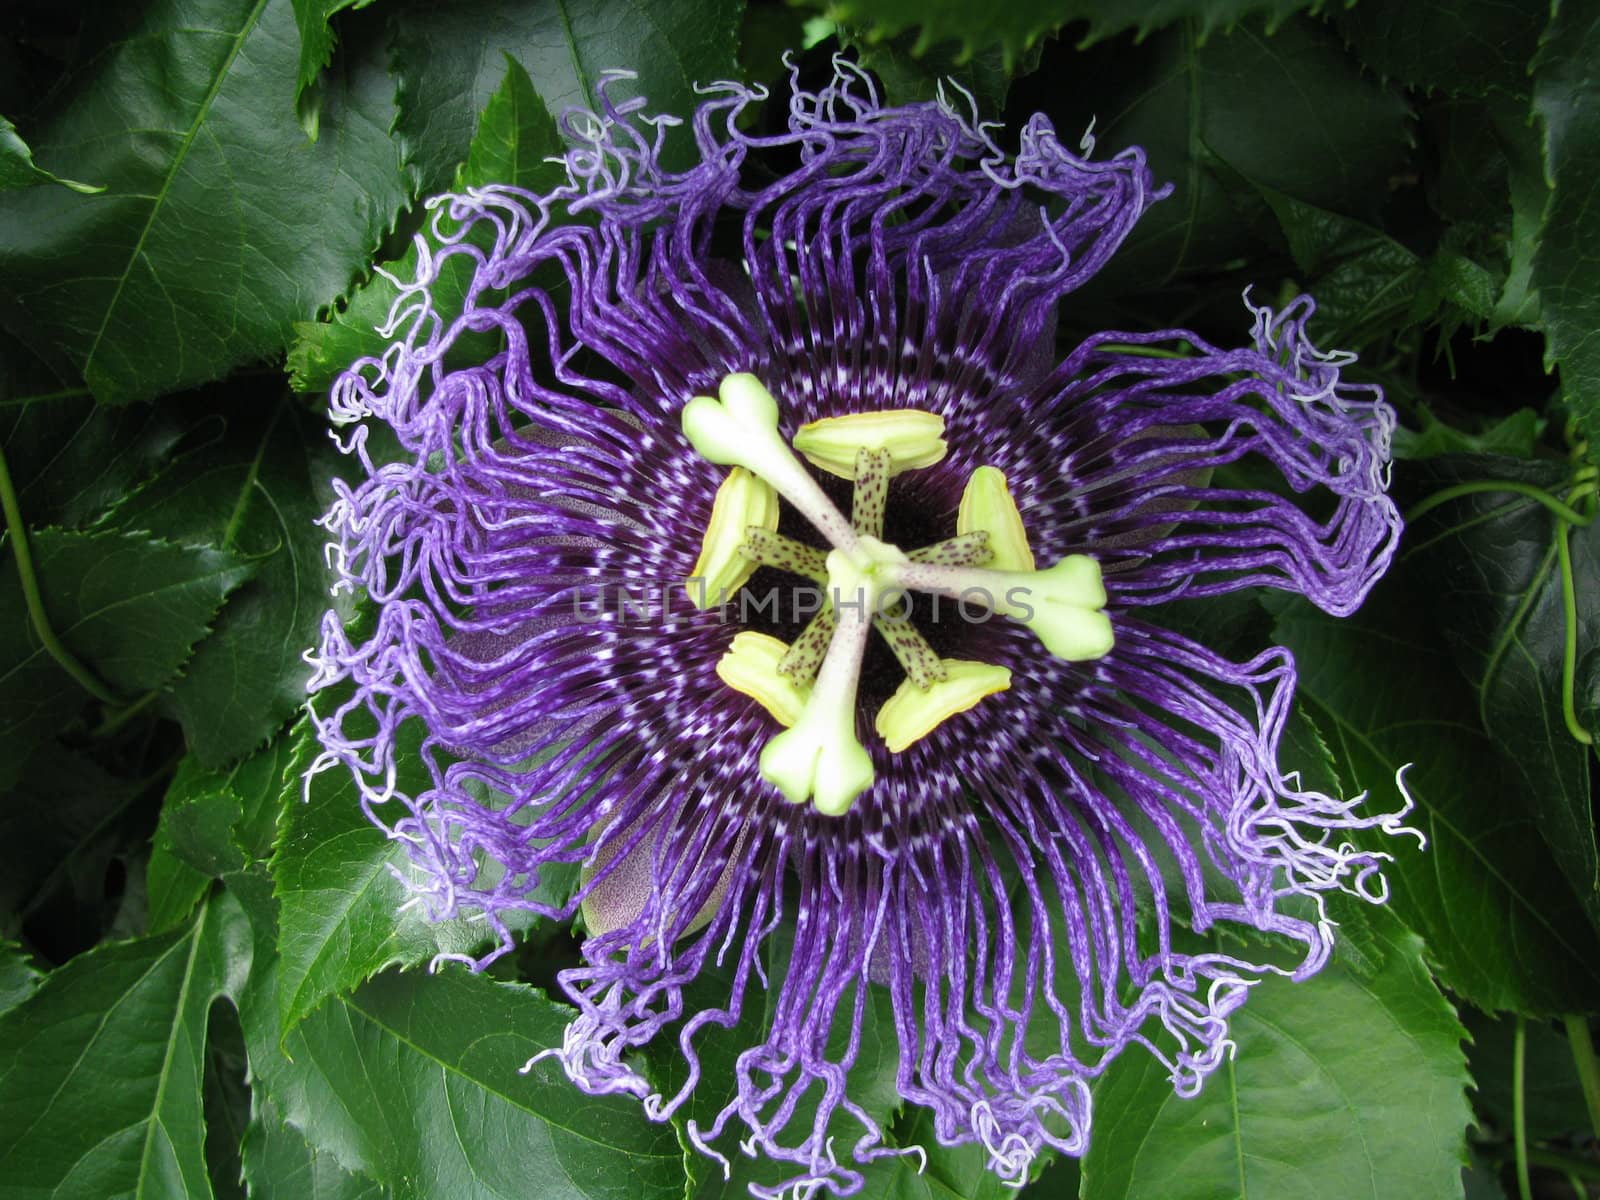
x,y
753,544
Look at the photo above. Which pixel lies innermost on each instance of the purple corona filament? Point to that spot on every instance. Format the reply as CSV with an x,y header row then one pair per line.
x,y
1028,866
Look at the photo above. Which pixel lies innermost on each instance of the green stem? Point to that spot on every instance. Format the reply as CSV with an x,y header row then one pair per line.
x,y
44,397
1569,674
1568,514
1588,1068
1143,351
1519,1122
1582,1168
116,720
1566,1161
1567,517
34,601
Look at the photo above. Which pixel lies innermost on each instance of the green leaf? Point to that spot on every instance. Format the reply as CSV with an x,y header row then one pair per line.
x,y
1488,184
1368,285
256,491
1338,1087
1498,598
1515,435
1365,283
950,1173
101,1068
220,225
515,138
225,1093
252,790
1566,270
395,1076
68,828
345,914
1456,48
18,976
1016,26
415,1081
1519,302
448,69
214,823
72,459
280,1165
128,606
1501,925
1366,932
199,815
18,170
317,39
1292,112
173,888
910,77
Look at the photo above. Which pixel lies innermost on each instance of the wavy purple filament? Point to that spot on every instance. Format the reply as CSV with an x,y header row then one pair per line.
x,y
1016,871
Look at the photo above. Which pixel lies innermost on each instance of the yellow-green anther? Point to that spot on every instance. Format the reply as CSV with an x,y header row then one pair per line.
x,y
743,501
870,499
740,429
763,547
986,504
913,437
912,712
967,550
820,759
1061,604
750,666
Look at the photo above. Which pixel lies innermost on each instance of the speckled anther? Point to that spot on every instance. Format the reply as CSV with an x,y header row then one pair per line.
x,y
922,666
767,548
804,657
963,550
871,496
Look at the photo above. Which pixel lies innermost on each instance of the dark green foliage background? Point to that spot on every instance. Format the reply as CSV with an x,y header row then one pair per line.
x,y
207,987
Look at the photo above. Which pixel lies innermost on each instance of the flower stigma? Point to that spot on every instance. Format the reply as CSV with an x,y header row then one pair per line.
x,y
810,686
820,758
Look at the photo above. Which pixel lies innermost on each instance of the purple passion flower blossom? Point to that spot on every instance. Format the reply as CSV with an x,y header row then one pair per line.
x,y
752,545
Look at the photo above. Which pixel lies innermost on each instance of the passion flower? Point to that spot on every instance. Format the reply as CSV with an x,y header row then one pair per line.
x,y
752,543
